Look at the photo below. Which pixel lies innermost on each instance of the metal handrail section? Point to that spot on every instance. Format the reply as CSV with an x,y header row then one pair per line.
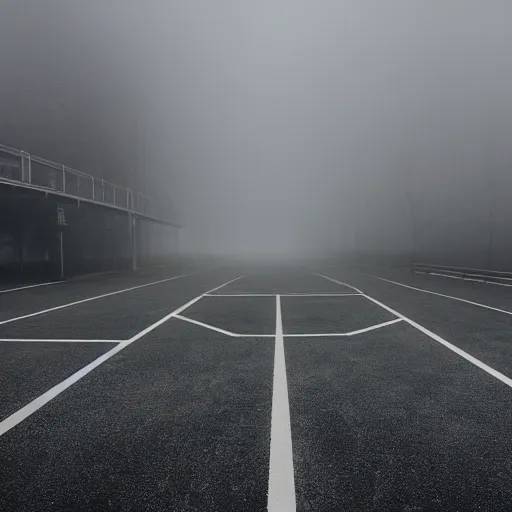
x,y
37,172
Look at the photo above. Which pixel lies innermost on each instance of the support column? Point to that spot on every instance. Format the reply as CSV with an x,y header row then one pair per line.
x,y
133,234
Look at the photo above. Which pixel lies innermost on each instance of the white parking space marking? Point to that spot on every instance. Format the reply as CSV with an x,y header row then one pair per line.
x,y
49,340
281,484
319,294
305,294
473,360
36,404
222,331
462,278
89,299
30,286
345,334
240,295
477,304
208,326
341,283
225,284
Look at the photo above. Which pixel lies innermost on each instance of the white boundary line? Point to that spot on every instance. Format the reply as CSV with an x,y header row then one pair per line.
x,y
305,294
208,326
341,283
33,406
30,286
82,301
222,331
442,295
225,284
461,278
306,335
240,295
40,340
320,294
456,269
281,484
346,334
486,368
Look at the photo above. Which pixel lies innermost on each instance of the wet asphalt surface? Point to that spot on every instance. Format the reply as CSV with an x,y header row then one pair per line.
x,y
180,420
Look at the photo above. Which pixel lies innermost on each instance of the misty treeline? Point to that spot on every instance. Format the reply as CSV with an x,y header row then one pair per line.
x,y
280,127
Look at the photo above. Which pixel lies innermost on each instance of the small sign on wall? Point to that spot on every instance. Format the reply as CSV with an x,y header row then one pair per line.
x,y
61,217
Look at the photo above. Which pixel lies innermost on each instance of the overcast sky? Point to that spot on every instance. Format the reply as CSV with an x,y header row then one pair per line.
x,y
287,125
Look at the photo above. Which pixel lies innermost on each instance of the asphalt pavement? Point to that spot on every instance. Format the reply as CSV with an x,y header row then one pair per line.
x,y
241,388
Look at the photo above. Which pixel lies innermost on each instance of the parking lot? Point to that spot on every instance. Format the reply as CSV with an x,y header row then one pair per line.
x,y
240,388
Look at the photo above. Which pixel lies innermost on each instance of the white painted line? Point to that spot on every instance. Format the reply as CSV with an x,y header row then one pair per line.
x,y
30,286
223,331
208,326
473,360
240,295
48,340
471,270
341,283
320,294
176,312
225,284
117,292
478,304
281,484
32,407
305,294
461,278
164,319
29,409
345,334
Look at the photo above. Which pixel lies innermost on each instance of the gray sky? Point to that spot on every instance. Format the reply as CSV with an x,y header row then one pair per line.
x,y
285,125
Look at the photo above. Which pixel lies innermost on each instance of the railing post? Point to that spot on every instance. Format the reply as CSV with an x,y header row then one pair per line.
x,y
103,189
24,156
29,169
133,219
64,178
78,185
93,192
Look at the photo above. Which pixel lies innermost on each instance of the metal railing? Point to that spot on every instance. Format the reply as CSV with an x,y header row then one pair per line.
x,y
18,166
469,274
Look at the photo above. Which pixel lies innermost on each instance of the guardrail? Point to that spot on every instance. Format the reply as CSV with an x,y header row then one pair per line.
x,y
469,274
18,166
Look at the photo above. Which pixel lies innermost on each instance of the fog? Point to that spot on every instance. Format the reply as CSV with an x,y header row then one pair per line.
x,y
278,126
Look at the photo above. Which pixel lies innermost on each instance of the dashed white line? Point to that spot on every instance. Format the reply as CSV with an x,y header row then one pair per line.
x,y
281,484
